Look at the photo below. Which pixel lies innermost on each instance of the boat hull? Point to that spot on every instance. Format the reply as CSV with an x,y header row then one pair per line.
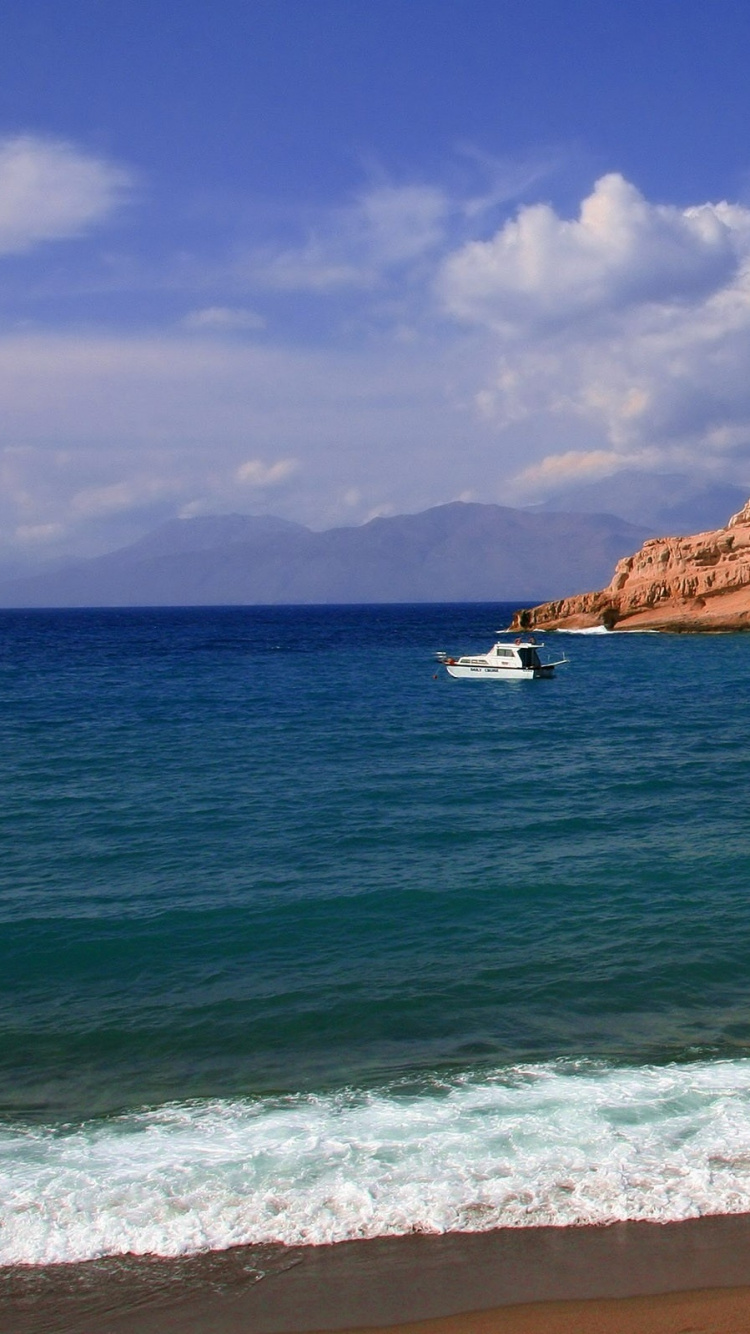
x,y
475,672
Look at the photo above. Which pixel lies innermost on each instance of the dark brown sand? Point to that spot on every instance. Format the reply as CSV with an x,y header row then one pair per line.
x,y
512,1281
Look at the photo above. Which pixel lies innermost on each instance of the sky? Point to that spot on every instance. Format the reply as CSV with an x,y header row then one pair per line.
x,y
334,259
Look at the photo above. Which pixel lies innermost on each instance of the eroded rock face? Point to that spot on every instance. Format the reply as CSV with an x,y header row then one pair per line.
x,y
672,583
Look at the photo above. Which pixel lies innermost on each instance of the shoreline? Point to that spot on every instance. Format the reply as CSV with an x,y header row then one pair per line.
x,y
510,1280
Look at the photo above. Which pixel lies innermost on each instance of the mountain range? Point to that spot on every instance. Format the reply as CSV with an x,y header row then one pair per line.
x,y
671,504
462,552
453,553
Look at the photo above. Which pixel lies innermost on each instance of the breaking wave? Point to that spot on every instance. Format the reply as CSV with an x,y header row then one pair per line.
x,y
537,1144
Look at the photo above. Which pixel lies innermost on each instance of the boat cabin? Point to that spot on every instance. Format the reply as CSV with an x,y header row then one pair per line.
x,y
524,655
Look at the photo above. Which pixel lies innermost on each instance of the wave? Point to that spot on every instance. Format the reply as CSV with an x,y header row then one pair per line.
x,y
536,1144
589,630
602,630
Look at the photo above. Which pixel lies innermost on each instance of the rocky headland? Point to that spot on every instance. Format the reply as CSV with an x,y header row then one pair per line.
x,y
698,583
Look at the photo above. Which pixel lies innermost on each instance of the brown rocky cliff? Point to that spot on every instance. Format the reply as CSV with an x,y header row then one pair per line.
x,y
672,583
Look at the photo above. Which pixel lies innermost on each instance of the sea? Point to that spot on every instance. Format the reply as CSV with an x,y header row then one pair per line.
x,y
302,941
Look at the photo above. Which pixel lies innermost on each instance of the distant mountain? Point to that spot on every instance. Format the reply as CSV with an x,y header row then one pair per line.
x,y
207,533
453,553
672,504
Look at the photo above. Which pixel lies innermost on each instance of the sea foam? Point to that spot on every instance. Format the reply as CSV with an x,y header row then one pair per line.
x,y
537,1144
588,630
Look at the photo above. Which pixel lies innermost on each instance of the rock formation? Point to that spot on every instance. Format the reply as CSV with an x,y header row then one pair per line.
x,y
672,583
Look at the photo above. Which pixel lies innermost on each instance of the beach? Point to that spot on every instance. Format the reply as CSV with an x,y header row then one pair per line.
x,y
555,1279
712,1311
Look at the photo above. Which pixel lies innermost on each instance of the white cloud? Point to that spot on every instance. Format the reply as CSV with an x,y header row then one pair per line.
x,y
50,190
544,270
385,228
390,233
316,267
254,472
100,501
223,319
624,333
572,465
395,224
39,534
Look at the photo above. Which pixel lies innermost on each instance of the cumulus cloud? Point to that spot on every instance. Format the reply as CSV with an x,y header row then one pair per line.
x,y
631,321
51,190
540,269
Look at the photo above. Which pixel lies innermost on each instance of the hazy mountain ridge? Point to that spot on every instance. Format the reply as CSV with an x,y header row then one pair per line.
x,y
671,504
457,552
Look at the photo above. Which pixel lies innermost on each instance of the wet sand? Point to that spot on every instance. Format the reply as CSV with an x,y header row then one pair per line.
x,y
511,1281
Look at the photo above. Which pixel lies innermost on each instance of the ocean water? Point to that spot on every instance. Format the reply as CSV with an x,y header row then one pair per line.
x,y
301,942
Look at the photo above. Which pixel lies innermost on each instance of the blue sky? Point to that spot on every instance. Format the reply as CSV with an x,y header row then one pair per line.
x,y
337,258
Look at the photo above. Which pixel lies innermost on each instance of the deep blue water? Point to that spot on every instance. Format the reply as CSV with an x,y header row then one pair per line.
x,y
261,863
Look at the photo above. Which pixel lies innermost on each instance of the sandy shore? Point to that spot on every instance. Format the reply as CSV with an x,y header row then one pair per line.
x,y
643,1278
712,1311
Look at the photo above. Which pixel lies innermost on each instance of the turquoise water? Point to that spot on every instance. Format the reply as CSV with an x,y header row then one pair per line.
x,y
301,943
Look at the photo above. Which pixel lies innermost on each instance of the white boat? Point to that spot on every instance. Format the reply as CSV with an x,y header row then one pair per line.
x,y
515,661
